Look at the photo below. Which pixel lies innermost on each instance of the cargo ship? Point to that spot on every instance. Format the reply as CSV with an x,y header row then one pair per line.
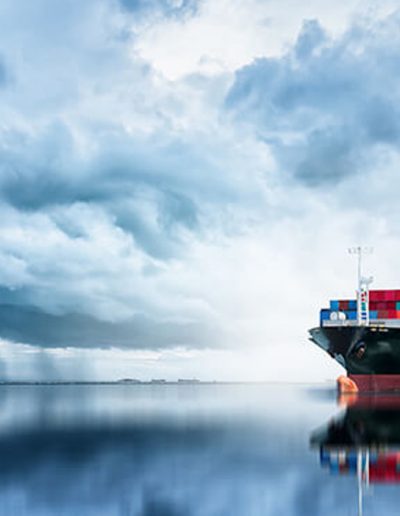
x,y
363,335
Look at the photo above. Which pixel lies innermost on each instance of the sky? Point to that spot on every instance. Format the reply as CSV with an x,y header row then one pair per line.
x,y
180,181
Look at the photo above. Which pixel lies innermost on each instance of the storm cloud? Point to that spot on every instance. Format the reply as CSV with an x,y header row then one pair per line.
x,y
149,202
100,186
329,106
27,324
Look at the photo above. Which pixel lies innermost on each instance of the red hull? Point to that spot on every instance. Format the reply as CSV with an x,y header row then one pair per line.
x,y
376,382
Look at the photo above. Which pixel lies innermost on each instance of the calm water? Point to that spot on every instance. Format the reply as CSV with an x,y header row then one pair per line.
x,y
191,450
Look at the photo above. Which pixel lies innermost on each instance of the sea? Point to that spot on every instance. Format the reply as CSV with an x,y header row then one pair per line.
x,y
196,450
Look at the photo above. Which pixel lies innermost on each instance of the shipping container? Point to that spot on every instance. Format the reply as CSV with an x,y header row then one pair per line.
x,y
325,314
351,315
376,295
397,305
353,304
384,295
343,305
391,314
373,314
334,305
386,305
382,314
390,295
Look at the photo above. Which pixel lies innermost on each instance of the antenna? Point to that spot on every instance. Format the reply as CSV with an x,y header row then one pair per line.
x,y
363,286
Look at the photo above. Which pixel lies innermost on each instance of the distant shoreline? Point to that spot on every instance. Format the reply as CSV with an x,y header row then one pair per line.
x,y
157,383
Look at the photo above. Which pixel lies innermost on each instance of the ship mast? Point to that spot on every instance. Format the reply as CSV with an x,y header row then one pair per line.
x,y
363,286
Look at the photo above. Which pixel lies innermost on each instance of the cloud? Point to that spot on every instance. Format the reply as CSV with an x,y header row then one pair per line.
x,y
106,234
328,108
164,7
154,195
106,192
311,37
27,324
181,45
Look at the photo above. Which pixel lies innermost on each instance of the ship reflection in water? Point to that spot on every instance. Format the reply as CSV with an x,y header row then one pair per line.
x,y
363,441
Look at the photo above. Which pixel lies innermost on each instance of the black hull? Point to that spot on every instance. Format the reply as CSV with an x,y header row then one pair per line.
x,y
361,350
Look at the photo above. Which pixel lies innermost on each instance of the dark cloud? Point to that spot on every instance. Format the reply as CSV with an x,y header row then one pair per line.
x,y
107,182
119,188
44,172
153,195
329,106
21,323
160,240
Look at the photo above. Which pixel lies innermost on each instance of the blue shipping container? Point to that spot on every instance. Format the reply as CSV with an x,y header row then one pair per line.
x,y
351,315
352,304
373,314
325,314
334,305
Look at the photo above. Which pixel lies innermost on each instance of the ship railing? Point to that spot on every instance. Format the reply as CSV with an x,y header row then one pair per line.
x,y
378,324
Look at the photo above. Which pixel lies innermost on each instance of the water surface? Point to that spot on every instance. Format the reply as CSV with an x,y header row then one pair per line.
x,y
186,450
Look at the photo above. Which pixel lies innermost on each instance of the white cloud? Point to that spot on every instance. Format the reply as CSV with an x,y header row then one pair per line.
x,y
228,34
129,190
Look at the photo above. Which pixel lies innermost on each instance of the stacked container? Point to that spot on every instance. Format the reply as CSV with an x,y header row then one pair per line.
x,y
384,295
383,304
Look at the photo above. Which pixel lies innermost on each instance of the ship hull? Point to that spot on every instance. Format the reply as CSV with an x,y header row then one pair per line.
x,y
376,382
370,355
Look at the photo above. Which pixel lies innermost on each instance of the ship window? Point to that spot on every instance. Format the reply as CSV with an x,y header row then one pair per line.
x,y
360,352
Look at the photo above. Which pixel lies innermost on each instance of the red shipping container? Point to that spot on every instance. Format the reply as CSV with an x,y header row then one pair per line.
x,y
397,314
382,295
390,295
391,314
343,305
377,295
382,314
397,295
373,305
386,305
